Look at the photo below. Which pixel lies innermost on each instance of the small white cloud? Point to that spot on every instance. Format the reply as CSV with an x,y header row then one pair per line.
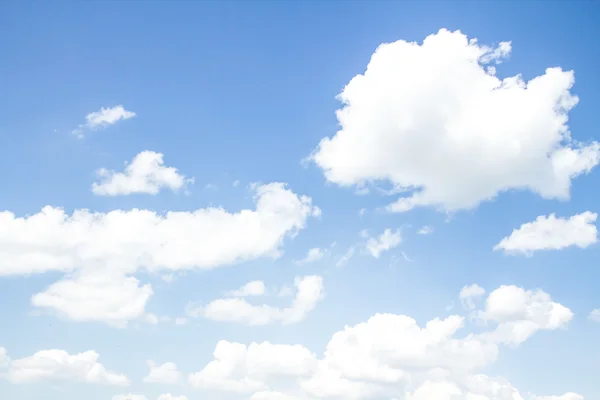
x,y
166,374
145,174
313,255
425,230
181,321
595,315
103,118
551,233
384,242
253,288
309,293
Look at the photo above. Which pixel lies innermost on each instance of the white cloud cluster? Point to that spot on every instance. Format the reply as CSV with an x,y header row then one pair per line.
x,y
99,251
58,365
309,291
102,118
432,120
552,233
390,356
166,374
384,242
146,173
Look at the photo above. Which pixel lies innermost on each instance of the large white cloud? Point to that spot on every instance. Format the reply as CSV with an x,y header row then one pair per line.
x,y
53,240
431,119
147,173
309,291
390,356
58,365
551,233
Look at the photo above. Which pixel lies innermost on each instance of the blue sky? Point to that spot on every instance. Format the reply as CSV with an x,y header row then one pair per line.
x,y
245,92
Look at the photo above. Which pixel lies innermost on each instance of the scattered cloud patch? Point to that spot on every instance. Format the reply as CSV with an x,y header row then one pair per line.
x,y
309,291
365,361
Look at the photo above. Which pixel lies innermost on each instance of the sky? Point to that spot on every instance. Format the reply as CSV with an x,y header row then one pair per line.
x,y
386,200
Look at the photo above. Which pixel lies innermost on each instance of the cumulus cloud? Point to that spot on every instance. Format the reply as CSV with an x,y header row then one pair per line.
x,y
252,288
551,233
52,240
384,242
103,118
431,120
166,373
309,291
110,298
520,313
146,173
58,365
389,356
